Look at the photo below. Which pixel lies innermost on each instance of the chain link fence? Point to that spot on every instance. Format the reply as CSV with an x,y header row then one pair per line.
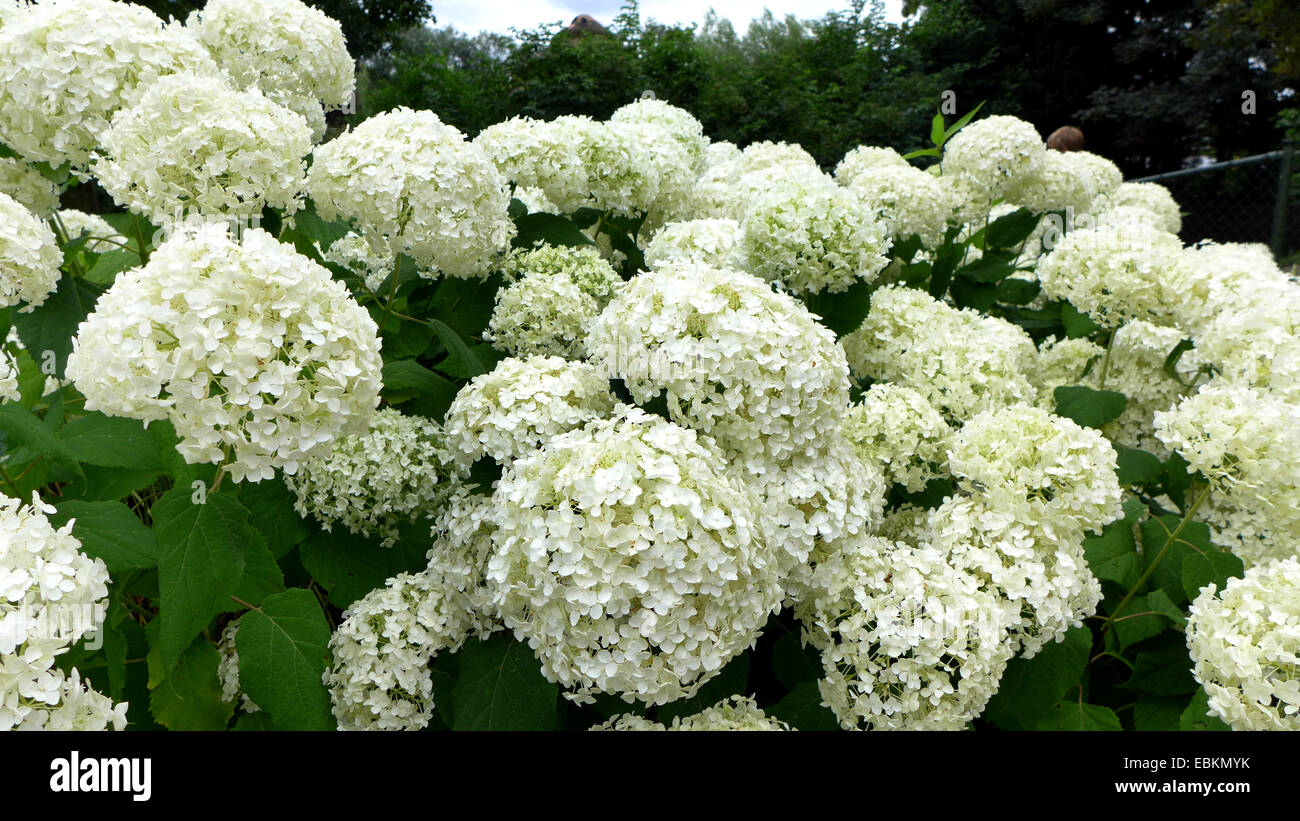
x,y
1252,199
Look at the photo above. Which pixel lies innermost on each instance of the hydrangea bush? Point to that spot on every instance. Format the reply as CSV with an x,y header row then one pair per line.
x,y
599,424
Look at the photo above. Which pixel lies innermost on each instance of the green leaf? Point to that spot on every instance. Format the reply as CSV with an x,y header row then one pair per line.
x,y
1075,715
189,696
282,656
937,130
1171,361
992,267
1158,712
466,359
1197,715
200,563
271,509
1137,467
802,709
961,122
551,229
1135,624
500,686
1031,687
23,428
923,152
1165,669
254,722
1077,324
843,312
1168,575
1209,566
52,326
349,566
1010,230
110,531
110,441
1017,291
107,484
110,264
423,392
976,295
945,262
732,679
1088,407
261,577
1160,602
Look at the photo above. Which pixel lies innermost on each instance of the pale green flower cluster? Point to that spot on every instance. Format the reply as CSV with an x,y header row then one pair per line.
x,y
258,357
1245,647
373,482
714,242
292,53
51,595
29,257
29,187
735,714
959,360
897,428
411,184
193,147
555,294
630,559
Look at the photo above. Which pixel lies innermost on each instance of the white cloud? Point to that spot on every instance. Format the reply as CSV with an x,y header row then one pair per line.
x,y
501,15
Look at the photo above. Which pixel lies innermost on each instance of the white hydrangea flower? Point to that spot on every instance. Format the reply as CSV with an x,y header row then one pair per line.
x,y
814,237
228,670
51,595
865,161
994,154
373,482
193,146
1027,555
961,361
373,263
1065,181
535,200
1060,468
257,356
284,48
556,293
29,187
729,185
907,640
1114,273
750,367
9,391
813,503
379,678
1224,278
544,154
104,237
67,65
1244,442
1255,339
1136,369
458,559
734,714
1245,647
521,404
1148,196
29,257
630,560
1249,530
638,168
1061,362
908,200
713,242
678,123
406,179
895,427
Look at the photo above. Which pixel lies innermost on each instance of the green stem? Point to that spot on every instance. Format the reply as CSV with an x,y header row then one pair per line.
x,y
1169,542
1105,362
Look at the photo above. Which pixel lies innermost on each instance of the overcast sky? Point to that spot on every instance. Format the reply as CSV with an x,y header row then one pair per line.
x,y
501,15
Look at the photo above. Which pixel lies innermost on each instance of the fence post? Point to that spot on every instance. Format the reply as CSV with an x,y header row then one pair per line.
x,y
1283,196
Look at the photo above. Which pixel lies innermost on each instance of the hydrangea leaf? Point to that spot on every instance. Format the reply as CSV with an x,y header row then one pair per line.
x,y
499,686
283,653
1030,687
